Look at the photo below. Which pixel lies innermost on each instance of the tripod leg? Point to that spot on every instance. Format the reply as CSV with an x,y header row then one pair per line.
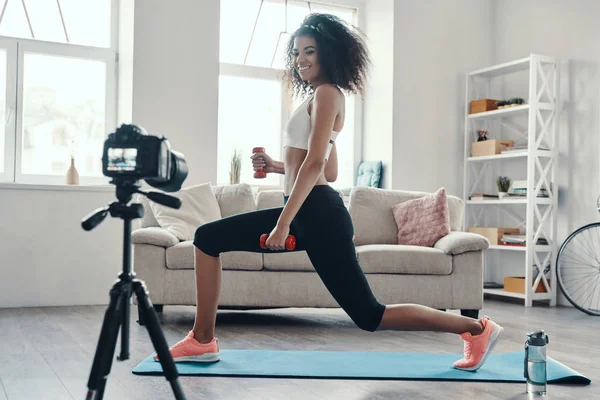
x,y
106,343
158,338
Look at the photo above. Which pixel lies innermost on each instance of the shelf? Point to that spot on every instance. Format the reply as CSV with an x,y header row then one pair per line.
x,y
539,115
514,154
518,248
509,112
538,200
503,69
502,292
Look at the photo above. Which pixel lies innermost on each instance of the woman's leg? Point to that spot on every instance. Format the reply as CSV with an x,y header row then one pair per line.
x,y
328,234
239,232
336,263
235,233
208,287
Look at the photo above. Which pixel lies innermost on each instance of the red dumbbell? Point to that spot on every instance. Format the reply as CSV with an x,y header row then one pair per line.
x,y
260,174
290,242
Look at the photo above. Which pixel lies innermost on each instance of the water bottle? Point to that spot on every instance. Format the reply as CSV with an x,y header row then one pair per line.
x,y
535,362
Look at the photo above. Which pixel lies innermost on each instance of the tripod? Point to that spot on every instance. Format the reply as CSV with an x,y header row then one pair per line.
x,y
118,312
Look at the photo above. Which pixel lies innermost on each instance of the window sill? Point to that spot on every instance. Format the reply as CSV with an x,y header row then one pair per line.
x,y
57,187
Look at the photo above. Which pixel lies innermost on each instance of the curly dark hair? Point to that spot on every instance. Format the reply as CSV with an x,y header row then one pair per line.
x,y
343,55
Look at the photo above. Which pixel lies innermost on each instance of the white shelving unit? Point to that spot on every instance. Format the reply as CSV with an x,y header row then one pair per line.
x,y
535,124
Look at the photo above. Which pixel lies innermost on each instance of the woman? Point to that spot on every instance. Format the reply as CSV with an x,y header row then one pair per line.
x,y
324,56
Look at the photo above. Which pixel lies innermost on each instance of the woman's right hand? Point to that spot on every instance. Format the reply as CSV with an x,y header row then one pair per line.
x,y
261,161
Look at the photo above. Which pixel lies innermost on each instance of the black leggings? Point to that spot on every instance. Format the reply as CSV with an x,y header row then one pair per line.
x,y
323,228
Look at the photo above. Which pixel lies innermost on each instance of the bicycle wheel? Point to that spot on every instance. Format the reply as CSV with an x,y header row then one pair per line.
x,y
578,268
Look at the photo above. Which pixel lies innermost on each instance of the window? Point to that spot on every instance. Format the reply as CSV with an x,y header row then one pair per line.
x,y
58,89
253,103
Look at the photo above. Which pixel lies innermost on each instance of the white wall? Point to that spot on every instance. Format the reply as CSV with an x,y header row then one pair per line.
x,y
435,43
175,80
569,31
47,258
379,96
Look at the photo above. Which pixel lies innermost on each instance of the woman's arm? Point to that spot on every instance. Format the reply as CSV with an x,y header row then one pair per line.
x,y
279,167
325,108
331,168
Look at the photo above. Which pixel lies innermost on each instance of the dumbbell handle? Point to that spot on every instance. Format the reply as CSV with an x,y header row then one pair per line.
x,y
290,242
260,174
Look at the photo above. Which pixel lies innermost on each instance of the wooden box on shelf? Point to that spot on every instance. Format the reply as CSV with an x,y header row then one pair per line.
x,y
490,147
482,105
516,284
494,235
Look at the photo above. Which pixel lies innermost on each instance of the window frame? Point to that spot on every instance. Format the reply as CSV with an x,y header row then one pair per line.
x,y
14,92
10,46
250,71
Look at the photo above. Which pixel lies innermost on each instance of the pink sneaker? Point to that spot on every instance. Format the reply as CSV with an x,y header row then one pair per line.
x,y
189,349
477,348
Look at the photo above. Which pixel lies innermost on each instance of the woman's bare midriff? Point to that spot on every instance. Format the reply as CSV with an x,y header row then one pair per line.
x,y
292,160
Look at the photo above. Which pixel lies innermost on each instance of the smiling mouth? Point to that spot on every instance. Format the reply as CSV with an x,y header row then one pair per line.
x,y
303,68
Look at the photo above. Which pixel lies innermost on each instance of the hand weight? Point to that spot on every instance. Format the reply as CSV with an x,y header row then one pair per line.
x,y
290,242
260,174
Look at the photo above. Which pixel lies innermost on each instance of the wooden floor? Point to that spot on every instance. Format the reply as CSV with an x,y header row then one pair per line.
x,y
46,353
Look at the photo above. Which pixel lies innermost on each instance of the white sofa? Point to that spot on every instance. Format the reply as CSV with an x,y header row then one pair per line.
x,y
448,275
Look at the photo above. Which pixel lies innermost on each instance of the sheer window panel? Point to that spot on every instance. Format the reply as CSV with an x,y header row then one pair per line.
x,y
79,22
249,116
64,113
255,32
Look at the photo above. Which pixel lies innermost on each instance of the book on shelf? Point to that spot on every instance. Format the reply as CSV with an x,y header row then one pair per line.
x,y
484,196
523,148
519,240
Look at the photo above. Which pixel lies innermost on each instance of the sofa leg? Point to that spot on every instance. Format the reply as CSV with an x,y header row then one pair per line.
x,y
157,308
470,313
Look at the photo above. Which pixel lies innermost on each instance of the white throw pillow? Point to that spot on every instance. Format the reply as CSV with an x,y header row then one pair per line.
x,y
198,206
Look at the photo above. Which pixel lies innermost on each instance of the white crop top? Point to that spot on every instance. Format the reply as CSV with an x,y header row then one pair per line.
x,y
298,129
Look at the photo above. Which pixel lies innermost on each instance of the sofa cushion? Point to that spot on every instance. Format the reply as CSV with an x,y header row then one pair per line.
x,y
198,206
269,199
234,199
147,219
371,212
181,256
422,221
291,261
461,242
155,236
403,259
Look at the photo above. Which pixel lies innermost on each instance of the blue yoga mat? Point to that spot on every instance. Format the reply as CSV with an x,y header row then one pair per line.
x,y
507,367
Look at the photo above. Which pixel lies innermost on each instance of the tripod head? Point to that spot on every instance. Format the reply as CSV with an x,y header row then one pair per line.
x,y
119,209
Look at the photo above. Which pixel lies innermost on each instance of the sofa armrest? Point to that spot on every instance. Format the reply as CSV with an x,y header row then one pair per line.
x,y
461,242
155,236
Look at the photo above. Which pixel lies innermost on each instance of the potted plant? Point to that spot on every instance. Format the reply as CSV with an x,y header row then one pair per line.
x,y
512,102
481,135
515,102
236,166
503,183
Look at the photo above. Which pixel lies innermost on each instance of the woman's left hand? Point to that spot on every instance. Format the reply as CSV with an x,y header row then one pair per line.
x,y
277,237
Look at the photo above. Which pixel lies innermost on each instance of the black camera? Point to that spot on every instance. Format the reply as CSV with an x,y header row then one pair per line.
x,y
130,154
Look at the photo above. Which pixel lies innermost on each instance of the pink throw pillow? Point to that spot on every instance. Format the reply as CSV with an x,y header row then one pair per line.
x,y
423,221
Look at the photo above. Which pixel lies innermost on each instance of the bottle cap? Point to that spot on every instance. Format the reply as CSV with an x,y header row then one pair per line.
x,y
537,338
